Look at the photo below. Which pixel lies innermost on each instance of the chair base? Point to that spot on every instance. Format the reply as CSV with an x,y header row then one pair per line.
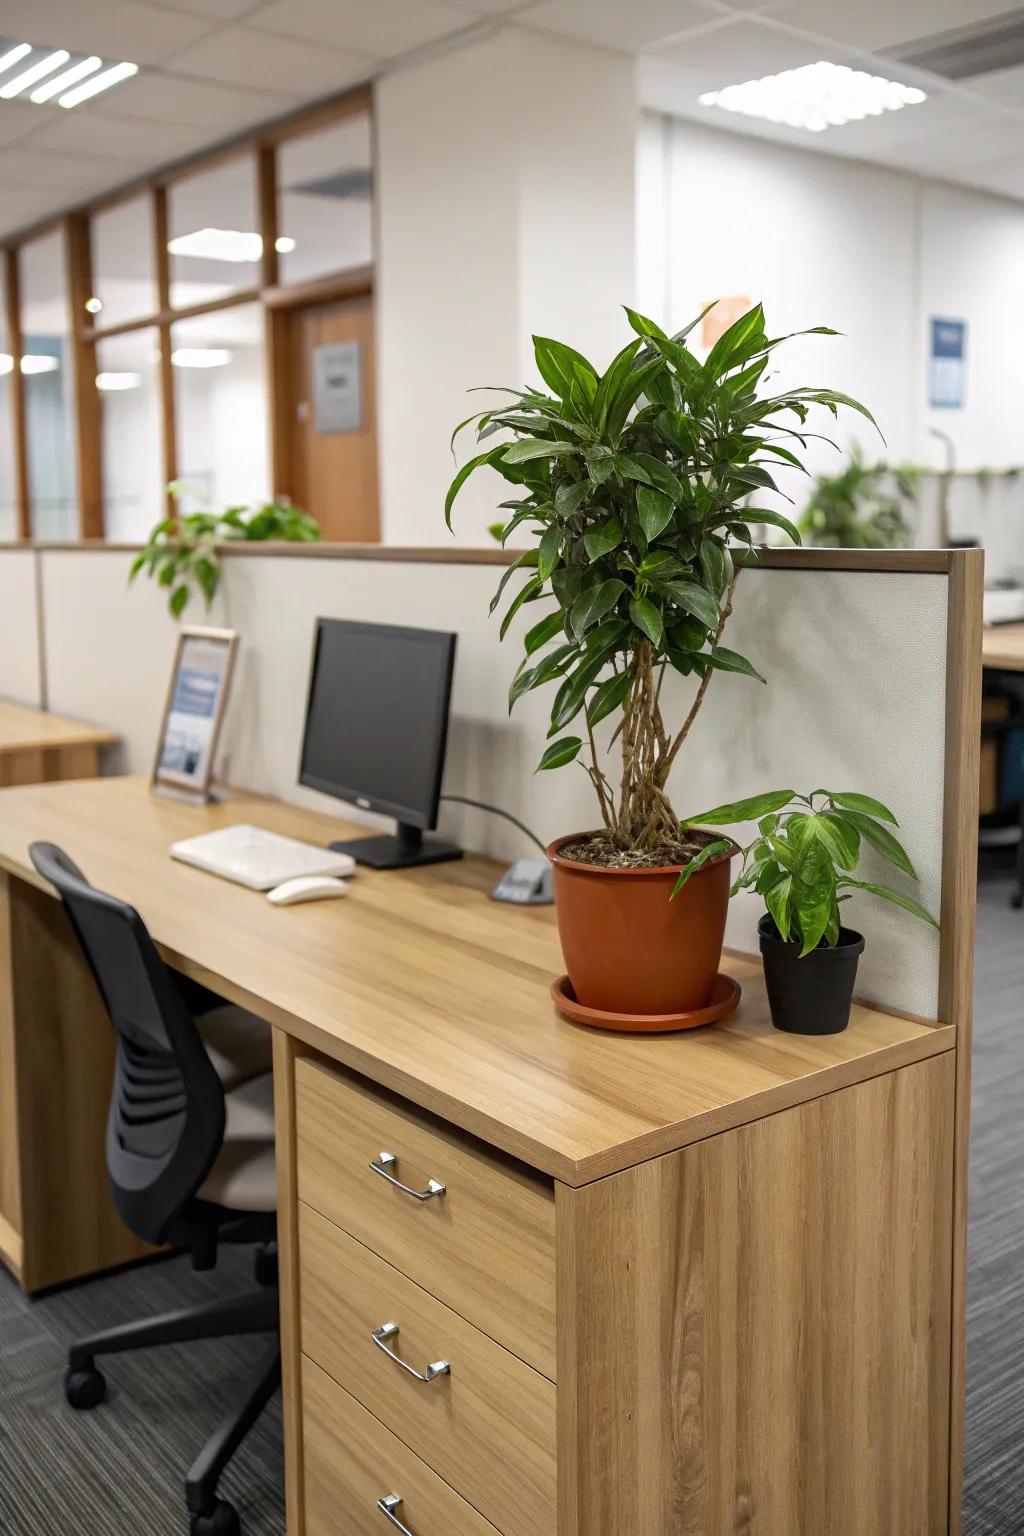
x,y
257,1312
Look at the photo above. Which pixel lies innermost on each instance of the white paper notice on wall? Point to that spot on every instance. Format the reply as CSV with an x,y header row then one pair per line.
x,y
947,364
338,387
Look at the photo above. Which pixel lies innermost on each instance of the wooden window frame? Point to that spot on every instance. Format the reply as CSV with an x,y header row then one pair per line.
x,y
75,226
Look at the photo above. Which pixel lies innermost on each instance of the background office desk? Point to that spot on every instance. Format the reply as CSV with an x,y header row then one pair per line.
x,y
1002,647
36,746
687,1285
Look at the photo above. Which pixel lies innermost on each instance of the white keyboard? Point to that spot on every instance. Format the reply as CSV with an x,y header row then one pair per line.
x,y
250,856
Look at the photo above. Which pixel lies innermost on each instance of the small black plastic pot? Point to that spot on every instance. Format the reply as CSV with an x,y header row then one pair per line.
x,y
812,996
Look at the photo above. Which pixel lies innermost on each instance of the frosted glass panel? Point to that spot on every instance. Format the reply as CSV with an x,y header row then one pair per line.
x,y
325,201
128,381
221,404
123,277
213,233
48,389
8,509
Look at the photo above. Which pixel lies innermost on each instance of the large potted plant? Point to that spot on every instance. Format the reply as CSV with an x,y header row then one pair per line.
x,y
635,484
801,864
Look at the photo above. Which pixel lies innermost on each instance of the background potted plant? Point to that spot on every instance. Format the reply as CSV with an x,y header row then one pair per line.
x,y
631,482
181,551
864,506
800,863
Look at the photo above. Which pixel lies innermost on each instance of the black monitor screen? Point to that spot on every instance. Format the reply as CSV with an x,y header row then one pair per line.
x,y
377,717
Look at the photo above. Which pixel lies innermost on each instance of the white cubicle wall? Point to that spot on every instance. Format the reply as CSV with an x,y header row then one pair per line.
x,y
856,662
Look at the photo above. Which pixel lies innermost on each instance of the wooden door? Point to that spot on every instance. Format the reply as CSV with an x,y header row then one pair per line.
x,y
330,417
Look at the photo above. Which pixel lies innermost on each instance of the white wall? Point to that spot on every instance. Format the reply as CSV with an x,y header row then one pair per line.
x,y
837,648
501,211
20,669
874,253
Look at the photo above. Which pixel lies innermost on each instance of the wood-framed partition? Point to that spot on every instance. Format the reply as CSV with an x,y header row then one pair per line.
x,y
276,298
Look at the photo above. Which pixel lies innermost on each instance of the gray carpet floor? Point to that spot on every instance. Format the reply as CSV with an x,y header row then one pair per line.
x,y
118,1471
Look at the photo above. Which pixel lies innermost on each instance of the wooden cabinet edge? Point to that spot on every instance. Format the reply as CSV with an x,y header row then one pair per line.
x,y
286,1051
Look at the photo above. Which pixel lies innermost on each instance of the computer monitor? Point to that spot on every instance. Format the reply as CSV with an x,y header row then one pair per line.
x,y
376,731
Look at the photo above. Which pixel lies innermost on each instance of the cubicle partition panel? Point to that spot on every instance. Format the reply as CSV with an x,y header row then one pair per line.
x,y
22,674
757,1237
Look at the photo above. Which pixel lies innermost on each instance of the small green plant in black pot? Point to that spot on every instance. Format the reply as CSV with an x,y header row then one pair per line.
x,y
801,863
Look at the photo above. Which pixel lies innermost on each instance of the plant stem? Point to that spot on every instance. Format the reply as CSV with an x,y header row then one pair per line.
x,y
705,682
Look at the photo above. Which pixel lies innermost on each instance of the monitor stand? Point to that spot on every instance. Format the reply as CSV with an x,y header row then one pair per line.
x,y
407,848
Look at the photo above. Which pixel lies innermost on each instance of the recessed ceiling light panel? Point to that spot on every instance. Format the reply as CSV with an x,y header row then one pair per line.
x,y
218,245
200,357
92,87
36,71
68,77
12,56
815,96
39,362
117,381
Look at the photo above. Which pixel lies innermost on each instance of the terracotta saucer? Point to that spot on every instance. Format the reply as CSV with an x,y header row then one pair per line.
x,y
725,999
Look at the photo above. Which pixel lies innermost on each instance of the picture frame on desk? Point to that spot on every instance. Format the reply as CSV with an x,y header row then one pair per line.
x,y
193,713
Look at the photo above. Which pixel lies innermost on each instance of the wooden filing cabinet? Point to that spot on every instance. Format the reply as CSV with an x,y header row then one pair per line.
x,y
752,1334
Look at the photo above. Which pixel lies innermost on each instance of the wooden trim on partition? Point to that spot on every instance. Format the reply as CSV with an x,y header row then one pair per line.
x,y
168,316
321,290
956,955
918,562
287,1051
12,301
88,436
162,267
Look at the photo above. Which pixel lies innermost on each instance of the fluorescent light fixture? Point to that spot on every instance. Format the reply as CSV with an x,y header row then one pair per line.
x,y
96,83
33,73
218,245
200,357
14,55
284,244
66,78
815,97
39,362
116,381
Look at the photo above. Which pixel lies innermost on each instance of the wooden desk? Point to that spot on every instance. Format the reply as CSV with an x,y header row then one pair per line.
x,y
1002,647
688,1285
36,746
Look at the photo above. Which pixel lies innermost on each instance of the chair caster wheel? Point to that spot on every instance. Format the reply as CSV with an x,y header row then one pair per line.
x,y
85,1388
1017,900
265,1265
221,1519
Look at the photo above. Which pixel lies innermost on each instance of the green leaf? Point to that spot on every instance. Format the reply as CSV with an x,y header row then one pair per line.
x,y
693,598
742,810
647,617
840,836
897,897
594,603
535,448
602,538
137,565
542,632
645,467
654,509
774,519
731,661
569,498
178,599
642,325
730,344
777,901
712,557
559,366
548,550
531,590
882,840
709,851
570,698
559,753
854,802
528,559
608,696
463,475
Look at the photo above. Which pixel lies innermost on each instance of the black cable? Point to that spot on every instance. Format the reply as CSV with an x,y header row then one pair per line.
x,y
481,805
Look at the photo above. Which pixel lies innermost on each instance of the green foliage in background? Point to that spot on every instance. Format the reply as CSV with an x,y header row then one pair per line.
x,y
181,552
801,859
633,483
862,507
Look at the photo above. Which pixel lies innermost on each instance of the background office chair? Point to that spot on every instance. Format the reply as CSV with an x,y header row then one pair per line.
x,y
190,1153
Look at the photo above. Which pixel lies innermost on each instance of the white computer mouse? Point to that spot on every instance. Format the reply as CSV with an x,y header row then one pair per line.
x,y
307,888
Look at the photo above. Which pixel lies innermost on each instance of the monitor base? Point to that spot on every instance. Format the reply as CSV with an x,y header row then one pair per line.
x,y
402,850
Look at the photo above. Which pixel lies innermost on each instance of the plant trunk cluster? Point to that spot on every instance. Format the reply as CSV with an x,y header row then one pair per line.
x,y
641,819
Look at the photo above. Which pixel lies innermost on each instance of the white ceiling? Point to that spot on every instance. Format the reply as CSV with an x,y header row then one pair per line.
x,y
212,68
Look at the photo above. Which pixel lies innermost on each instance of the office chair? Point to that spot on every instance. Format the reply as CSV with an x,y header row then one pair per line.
x,y
190,1155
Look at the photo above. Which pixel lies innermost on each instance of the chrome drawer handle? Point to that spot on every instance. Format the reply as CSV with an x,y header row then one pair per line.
x,y
390,1331
388,1160
388,1506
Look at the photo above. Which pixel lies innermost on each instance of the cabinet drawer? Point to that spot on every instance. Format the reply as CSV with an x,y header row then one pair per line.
x,y
351,1462
487,1425
485,1247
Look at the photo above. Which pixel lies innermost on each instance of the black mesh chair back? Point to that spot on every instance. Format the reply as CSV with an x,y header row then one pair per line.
x,y
166,1120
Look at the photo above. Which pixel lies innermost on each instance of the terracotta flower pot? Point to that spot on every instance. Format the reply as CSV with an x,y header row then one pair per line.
x,y
630,949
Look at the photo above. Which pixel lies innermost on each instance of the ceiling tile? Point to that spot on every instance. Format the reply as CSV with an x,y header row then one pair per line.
x,y
241,57
385,28
116,29
59,173
741,50
633,26
162,97
943,111
217,10
956,148
91,133
875,24
20,206
16,119
1005,86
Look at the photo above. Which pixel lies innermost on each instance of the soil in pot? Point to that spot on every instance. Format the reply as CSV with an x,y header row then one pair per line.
x,y
629,948
813,995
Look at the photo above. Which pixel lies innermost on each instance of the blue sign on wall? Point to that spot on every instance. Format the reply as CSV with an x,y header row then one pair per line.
x,y
947,364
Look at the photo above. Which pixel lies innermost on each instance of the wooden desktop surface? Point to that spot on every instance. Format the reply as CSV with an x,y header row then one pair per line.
x,y
23,728
419,981
1002,647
